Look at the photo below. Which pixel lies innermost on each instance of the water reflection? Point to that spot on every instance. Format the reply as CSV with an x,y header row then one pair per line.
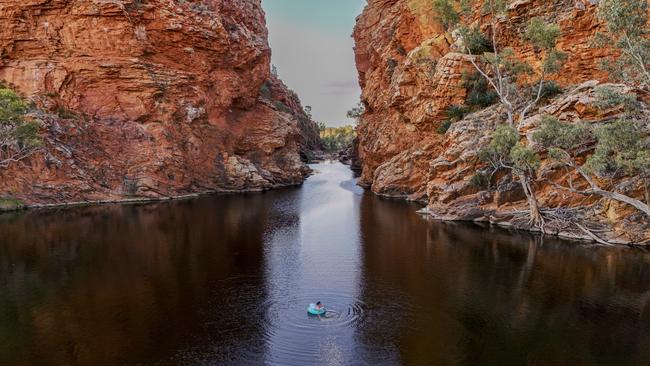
x,y
120,284
489,296
226,280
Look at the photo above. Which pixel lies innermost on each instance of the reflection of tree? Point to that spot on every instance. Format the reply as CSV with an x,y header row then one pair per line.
x,y
491,296
119,284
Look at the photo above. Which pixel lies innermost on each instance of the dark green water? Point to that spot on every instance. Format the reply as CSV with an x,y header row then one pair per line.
x,y
226,281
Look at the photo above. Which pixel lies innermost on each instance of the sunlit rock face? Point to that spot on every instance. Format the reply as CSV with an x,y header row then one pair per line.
x,y
411,71
149,98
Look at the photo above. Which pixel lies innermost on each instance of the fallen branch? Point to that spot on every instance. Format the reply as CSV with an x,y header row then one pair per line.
x,y
592,235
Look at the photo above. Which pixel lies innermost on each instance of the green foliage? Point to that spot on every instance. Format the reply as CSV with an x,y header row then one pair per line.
x,y
476,43
11,204
466,6
446,13
456,112
542,35
27,135
12,108
566,136
356,112
554,60
558,154
504,138
337,139
66,113
625,16
503,69
479,93
265,90
391,65
550,89
508,61
444,127
17,135
506,150
524,158
480,180
627,29
495,7
621,147
282,107
607,97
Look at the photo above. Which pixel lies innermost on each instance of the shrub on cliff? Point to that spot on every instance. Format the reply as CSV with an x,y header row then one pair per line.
x,y
627,30
479,93
621,148
19,138
454,113
550,89
607,97
475,42
444,127
446,13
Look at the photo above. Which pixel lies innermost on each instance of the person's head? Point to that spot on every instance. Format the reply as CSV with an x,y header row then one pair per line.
x,y
319,304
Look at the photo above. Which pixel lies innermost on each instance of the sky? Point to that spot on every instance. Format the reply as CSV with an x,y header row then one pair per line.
x,y
312,50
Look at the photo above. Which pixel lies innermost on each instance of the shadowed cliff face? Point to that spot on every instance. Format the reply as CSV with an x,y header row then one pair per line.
x,y
411,71
149,98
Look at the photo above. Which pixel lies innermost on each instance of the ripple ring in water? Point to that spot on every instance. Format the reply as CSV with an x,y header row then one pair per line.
x,y
285,320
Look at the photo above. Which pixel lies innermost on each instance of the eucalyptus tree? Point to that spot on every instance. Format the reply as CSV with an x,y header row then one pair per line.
x,y
620,149
627,30
503,69
506,152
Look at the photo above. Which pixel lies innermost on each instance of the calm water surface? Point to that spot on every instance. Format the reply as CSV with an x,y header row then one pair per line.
x,y
226,281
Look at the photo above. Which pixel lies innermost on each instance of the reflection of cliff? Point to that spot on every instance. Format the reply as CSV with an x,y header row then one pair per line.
x,y
502,297
104,285
149,99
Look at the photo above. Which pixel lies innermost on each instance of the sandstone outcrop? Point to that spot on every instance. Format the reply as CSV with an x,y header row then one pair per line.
x,y
411,71
149,99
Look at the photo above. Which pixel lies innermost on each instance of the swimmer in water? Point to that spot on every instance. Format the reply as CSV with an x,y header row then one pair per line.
x,y
319,307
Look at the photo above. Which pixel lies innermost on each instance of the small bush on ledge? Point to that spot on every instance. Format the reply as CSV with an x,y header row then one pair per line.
x,y
475,42
19,137
444,127
550,89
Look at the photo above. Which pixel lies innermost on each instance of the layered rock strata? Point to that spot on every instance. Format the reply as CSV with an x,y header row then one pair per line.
x,y
151,98
411,72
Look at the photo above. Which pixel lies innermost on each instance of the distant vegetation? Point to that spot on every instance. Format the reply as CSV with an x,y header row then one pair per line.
x,y
336,139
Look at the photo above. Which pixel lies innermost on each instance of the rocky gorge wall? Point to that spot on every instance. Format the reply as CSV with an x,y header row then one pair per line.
x,y
411,72
149,98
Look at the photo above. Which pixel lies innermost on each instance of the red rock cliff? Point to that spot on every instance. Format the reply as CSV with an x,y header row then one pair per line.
x,y
149,98
410,72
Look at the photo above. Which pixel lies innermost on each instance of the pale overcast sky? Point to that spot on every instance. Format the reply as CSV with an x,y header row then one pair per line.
x,y
312,49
